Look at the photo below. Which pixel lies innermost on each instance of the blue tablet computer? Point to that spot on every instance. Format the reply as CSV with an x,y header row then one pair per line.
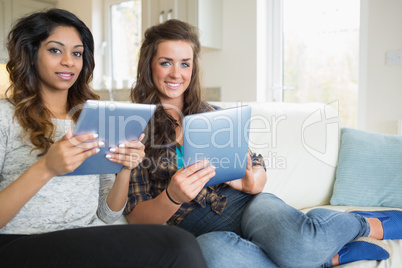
x,y
220,136
114,122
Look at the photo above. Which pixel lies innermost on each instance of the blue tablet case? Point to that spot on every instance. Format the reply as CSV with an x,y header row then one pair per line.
x,y
220,136
114,122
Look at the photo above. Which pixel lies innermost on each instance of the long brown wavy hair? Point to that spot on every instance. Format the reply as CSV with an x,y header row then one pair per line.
x,y
24,92
145,91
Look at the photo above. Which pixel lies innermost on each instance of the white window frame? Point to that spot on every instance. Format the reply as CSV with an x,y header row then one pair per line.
x,y
106,44
270,50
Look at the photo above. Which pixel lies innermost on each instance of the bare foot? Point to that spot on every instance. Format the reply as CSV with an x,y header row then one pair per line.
x,y
335,260
376,229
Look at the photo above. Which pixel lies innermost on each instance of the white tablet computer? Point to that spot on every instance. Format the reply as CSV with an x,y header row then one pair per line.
x,y
220,136
114,122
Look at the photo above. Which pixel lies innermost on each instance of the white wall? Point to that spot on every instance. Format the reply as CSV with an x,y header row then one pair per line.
x,y
380,100
82,9
234,68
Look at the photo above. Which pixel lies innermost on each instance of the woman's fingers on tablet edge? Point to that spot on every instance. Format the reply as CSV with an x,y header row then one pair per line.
x,y
203,175
81,138
196,167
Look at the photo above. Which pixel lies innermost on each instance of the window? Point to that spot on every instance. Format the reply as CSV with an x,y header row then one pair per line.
x,y
124,40
313,53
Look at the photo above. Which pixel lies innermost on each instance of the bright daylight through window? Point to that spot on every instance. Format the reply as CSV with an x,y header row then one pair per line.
x,y
125,36
321,53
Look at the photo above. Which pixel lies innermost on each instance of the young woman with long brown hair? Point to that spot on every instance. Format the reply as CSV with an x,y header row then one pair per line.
x,y
235,219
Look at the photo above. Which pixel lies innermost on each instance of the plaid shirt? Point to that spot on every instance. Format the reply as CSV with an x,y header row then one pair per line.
x,y
146,184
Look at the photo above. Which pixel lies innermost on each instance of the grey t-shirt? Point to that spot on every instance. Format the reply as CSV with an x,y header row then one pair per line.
x,y
65,201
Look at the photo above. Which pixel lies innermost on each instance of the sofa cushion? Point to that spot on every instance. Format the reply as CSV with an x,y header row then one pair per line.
x,y
369,171
300,145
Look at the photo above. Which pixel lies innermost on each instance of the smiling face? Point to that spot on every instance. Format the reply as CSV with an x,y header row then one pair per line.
x,y
172,67
60,59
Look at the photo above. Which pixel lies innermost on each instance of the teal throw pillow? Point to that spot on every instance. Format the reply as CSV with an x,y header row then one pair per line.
x,y
369,171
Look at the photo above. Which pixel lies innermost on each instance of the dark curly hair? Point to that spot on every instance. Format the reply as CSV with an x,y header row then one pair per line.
x,y
24,92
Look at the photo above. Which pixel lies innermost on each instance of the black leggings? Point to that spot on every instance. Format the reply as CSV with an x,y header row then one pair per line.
x,y
103,246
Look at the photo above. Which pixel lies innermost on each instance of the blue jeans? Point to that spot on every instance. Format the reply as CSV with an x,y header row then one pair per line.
x,y
229,250
288,237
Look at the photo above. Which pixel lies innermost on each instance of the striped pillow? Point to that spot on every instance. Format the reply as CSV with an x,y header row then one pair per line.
x,y
369,171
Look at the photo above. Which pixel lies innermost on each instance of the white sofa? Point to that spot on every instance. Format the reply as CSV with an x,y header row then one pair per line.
x,y
300,145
